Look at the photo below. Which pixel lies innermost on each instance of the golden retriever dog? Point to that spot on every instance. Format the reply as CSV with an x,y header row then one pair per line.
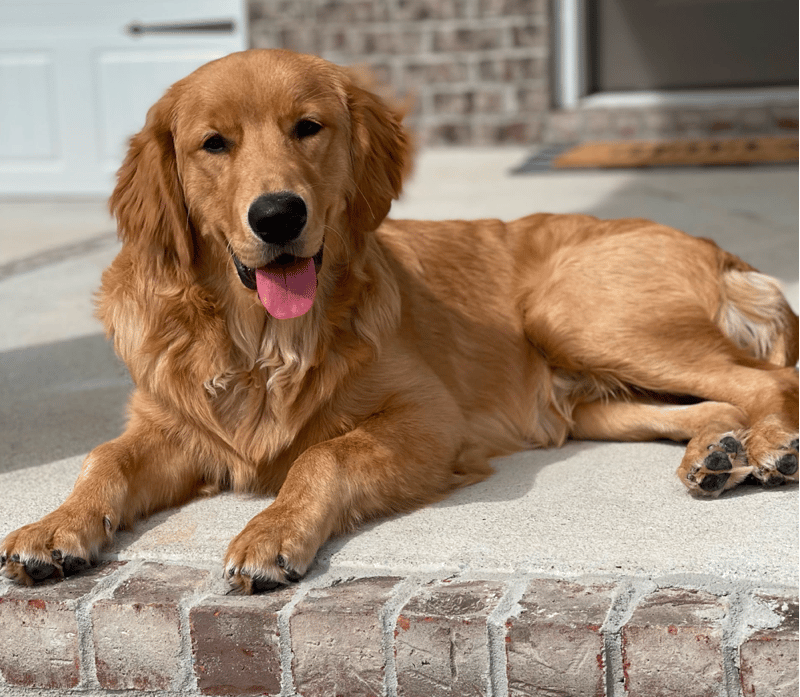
x,y
285,339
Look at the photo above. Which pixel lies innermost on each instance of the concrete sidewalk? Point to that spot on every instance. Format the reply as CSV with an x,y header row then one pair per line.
x,y
601,530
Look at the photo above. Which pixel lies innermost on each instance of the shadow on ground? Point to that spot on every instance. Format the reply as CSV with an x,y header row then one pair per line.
x,y
58,400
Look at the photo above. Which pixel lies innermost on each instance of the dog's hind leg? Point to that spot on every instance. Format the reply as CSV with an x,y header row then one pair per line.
x,y
715,459
683,318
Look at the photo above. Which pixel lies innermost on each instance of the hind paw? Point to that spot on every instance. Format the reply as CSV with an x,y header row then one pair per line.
x,y
722,465
778,466
709,470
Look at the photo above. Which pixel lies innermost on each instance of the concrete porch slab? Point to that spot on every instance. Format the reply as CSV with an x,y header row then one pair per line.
x,y
609,518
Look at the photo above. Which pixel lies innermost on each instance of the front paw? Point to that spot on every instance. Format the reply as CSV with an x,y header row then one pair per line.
x,y
60,544
273,550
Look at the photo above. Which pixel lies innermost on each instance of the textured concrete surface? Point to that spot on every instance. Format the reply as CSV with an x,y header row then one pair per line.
x,y
605,510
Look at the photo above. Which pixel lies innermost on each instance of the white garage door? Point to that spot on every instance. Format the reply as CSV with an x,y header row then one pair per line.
x,y
77,78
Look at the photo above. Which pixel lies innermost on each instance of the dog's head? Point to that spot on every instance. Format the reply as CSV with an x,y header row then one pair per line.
x,y
264,159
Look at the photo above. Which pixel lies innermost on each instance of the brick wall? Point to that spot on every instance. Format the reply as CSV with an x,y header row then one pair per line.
x,y
480,71
170,629
477,69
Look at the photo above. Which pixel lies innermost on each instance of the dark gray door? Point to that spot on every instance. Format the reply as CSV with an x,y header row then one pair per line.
x,y
691,44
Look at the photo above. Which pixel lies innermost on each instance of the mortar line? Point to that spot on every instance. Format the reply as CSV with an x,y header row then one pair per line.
x,y
627,595
730,659
497,680
104,588
402,592
744,620
186,680
284,616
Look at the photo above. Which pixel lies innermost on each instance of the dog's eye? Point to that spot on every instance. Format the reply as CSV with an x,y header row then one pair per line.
x,y
305,128
215,144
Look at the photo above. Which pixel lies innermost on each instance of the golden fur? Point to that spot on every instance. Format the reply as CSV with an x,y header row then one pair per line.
x,y
430,347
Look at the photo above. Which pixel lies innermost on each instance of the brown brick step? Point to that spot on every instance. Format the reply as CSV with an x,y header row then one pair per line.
x,y
170,629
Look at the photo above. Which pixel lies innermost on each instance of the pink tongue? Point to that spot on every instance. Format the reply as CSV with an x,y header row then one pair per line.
x,y
287,291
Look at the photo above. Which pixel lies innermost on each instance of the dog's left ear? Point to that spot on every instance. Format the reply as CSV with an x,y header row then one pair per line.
x,y
381,156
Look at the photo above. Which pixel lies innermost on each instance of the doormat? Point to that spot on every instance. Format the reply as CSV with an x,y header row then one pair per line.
x,y
696,152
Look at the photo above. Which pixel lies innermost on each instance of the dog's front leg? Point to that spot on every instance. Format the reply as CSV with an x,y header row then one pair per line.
x,y
395,461
132,475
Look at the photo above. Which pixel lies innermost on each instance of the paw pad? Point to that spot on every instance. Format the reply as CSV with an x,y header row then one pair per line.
x,y
787,464
713,473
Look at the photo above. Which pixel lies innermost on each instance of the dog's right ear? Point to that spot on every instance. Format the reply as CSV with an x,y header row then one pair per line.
x,y
148,199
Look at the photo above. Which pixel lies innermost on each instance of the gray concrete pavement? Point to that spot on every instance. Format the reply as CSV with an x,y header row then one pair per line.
x,y
589,509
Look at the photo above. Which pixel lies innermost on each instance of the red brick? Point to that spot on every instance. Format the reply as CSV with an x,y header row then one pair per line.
x,y
348,11
337,639
235,644
691,123
511,7
394,42
513,131
441,639
530,35
672,645
39,630
454,103
785,118
448,134
768,660
554,645
513,69
137,632
425,73
447,40
755,120
416,10
564,126
659,122
628,124
533,99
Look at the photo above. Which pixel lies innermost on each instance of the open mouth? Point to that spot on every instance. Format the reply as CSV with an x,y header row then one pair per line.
x,y
286,286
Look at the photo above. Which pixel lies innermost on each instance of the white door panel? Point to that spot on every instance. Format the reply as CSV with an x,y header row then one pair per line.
x,y
128,79
27,108
77,78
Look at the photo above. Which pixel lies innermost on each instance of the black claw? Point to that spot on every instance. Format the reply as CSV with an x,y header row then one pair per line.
x,y
291,575
787,464
39,570
263,585
773,480
794,444
714,482
717,462
56,554
15,558
730,444
73,565
2,560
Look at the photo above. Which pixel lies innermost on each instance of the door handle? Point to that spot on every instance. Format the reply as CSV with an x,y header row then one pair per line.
x,y
201,27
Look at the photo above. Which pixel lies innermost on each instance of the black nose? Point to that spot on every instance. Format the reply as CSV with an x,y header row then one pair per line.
x,y
278,218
